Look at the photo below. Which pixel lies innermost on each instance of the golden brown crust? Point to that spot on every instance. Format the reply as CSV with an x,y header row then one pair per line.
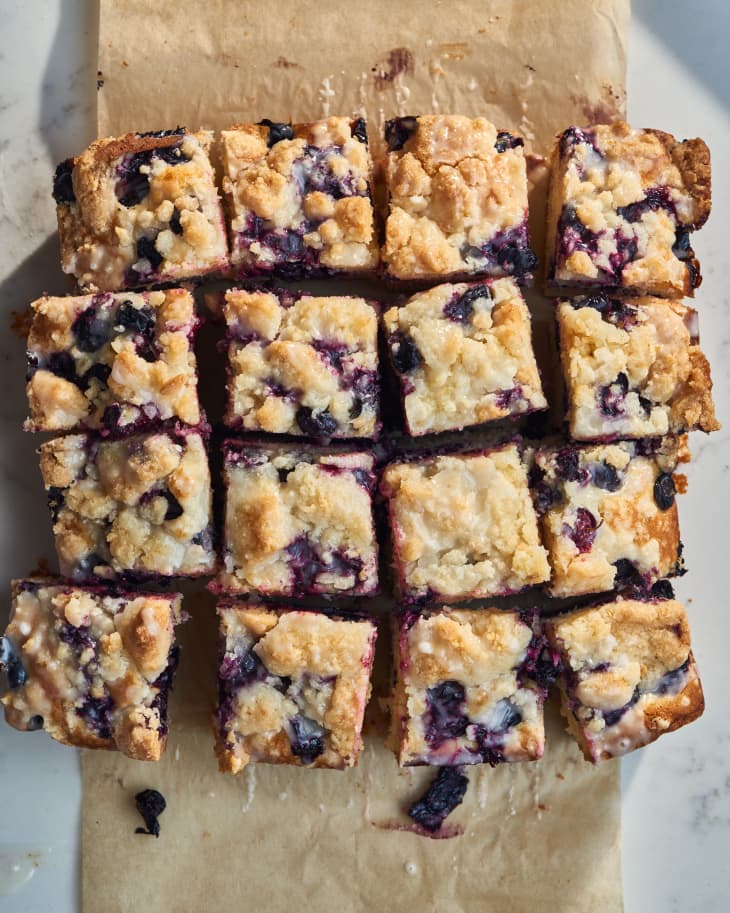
x,y
692,157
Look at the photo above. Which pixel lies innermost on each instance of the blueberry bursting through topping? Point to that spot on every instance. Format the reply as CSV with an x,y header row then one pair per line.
x,y
605,476
135,320
398,131
277,131
316,424
150,804
664,491
306,738
612,396
542,664
583,531
445,793
445,718
174,507
682,250
507,141
11,662
461,308
91,333
360,130
406,357
146,250
63,188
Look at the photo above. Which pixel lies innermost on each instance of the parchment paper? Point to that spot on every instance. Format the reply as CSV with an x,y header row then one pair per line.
x,y
529,65
529,838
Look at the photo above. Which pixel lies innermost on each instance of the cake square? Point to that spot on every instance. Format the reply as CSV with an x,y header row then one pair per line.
x,y
299,198
608,515
629,675
621,206
113,363
130,509
463,355
140,209
457,200
303,365
298,521
463,526
92,667
633,368
293,686
470,687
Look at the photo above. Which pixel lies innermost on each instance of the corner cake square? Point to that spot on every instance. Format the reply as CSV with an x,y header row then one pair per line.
x,y
621,206
629,675
141,209
91,667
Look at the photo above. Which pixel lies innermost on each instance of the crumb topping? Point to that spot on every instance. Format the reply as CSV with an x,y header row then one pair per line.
x,y
302,364
112,362
142,210
602,514
460,695
645,345
305,701
452,194
475,361
299,521
141,504
464,526
631,675
95,666
301,195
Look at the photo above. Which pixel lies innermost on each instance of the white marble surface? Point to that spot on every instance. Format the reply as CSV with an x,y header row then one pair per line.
x,y
676,803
